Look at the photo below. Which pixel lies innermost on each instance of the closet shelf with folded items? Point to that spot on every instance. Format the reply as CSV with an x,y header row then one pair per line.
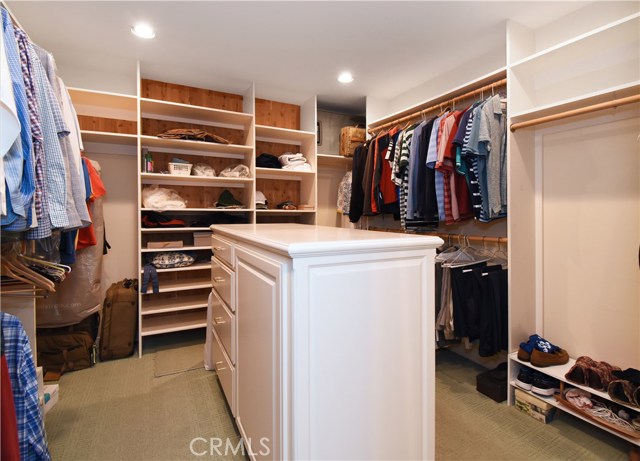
x,y
196,169
285,161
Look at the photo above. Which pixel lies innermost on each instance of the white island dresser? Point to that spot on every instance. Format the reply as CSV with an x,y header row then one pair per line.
x,y
323,340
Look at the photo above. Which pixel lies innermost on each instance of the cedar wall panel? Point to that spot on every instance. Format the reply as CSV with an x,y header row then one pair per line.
x,y
277,191
275,148
277,114
107,125
153,89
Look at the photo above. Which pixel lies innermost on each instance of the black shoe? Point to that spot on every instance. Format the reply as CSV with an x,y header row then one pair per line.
x,y
525,378
544,385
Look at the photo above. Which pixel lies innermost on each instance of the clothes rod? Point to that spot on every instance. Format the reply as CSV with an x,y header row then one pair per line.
x,y
440,105
574,112
447,236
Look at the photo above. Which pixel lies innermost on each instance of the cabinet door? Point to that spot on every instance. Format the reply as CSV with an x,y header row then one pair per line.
x,y
258,311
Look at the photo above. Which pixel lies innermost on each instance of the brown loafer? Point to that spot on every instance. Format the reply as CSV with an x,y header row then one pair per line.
x,y
547,359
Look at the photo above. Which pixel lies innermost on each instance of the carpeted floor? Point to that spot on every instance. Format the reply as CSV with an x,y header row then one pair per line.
x,y
119,410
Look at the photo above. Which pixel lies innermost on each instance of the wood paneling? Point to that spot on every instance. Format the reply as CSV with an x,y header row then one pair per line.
x,y
278,114
277,191
153,127
153,89
275,148
107,125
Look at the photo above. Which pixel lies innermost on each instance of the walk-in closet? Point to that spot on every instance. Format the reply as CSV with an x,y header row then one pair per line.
x,y
320,230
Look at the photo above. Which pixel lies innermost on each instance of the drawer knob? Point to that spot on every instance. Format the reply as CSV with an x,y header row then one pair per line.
x,y
219,248
218,320
218,279
219,367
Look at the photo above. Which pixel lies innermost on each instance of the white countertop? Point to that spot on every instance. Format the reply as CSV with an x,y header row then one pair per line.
x,y
307,240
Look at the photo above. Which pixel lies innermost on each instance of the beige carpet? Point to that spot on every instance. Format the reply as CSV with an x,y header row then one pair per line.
x,y
118,410
178,360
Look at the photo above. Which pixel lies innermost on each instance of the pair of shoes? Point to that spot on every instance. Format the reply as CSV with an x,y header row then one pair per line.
x,y
539,383
624,391
589,372
541,353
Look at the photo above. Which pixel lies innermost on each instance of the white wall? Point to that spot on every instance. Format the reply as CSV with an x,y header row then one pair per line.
x,y
119,175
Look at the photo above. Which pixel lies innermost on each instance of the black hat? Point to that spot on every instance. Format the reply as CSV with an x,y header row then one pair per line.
x,y
265,160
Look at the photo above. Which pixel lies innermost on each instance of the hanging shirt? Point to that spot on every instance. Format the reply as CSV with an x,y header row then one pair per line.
x,y
413,191
491,133
53,128
24,382
344,193
18,161
356,203
432,158
9,122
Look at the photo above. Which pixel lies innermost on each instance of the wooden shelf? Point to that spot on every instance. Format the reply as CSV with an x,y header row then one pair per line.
x,y
193,210
269,133
172,111
153,325
598,97
185,284
277,173
184,248
283,212
334,161
109,138
201,181
157,230
187,147
91,102
584,41
161,306
564,74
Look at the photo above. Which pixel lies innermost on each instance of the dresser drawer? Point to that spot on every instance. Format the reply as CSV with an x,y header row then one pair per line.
x,y
223,249
223,281
226,373
223,322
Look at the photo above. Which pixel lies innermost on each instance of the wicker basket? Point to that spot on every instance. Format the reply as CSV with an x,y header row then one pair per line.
x,y
350,137
180,169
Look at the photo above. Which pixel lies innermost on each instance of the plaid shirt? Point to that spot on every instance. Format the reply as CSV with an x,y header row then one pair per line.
x,y
24,384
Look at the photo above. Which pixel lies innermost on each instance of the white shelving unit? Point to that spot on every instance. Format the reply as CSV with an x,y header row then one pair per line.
x,y
129,124
555,187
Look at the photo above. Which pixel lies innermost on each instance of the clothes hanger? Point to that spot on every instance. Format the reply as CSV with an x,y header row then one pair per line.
x,y
467,256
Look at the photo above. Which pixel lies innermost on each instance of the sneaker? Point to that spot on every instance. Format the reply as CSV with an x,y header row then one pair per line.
x,y
525,378
544,385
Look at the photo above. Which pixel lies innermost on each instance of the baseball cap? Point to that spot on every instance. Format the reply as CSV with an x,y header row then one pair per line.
x,y
261,201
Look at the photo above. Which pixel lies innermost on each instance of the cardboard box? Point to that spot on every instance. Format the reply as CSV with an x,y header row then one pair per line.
x,y
160,245
350,137
202,239
536,408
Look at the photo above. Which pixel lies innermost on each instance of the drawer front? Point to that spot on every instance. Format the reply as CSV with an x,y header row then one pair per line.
x,y
223,281
223,249
226,374
223,323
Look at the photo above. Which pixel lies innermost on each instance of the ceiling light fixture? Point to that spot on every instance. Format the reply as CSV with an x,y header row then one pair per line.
x,y
143,30
345,77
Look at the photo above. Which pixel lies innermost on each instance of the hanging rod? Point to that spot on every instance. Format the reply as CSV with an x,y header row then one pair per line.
x,y
445,236
440,105
574,112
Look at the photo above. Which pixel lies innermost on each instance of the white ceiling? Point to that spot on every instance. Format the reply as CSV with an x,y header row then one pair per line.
x,y
295,47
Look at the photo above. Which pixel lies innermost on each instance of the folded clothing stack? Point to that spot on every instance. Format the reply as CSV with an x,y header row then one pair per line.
x,y
295,162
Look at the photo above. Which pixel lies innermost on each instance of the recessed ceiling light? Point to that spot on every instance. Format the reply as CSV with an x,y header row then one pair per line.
x,y
143,30
345,77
